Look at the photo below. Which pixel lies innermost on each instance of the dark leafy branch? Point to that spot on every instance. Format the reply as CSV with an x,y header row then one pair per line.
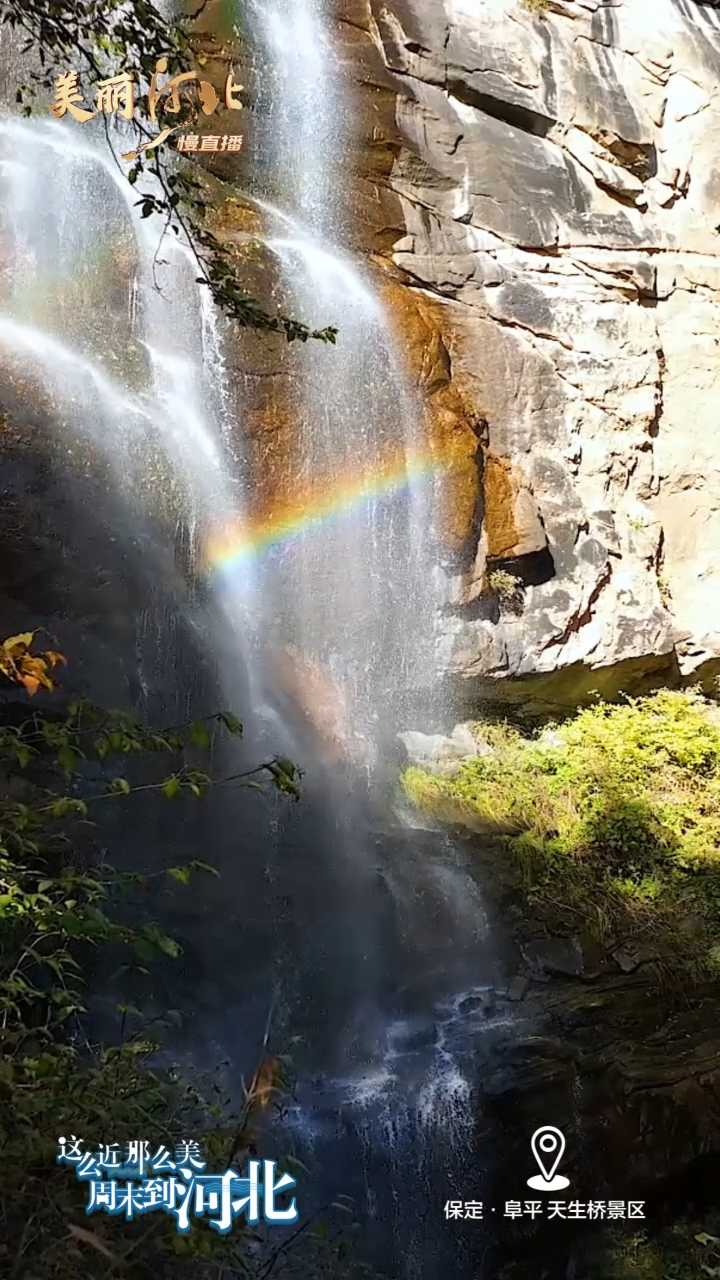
x,y
88,735
58,906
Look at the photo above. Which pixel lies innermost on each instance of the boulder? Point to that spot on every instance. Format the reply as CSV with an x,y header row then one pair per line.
x,y
440,753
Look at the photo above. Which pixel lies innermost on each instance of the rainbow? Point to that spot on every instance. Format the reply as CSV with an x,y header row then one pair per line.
x,y
336,498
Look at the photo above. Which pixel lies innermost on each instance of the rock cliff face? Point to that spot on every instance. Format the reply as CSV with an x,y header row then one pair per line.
x,y
542,186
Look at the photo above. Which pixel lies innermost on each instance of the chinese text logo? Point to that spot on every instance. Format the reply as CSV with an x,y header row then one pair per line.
x,y
548,1148
119,96
128,1180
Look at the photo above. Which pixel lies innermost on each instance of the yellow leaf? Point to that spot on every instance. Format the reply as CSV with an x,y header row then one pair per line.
x,y
22,667
22,641
37,668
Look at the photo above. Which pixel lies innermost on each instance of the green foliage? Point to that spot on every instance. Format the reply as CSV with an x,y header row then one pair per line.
x,y
621,798
59,904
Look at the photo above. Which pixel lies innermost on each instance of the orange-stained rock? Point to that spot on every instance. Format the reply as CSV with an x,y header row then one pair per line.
x,y
233,217
453,432
512,523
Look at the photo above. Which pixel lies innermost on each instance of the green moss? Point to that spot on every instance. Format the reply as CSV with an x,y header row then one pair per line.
x,y
626,798
506,586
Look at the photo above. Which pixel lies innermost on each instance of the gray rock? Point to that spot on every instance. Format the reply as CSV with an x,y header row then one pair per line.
x,y
626,961
518,987
563,956
557,179
481,1004
438,752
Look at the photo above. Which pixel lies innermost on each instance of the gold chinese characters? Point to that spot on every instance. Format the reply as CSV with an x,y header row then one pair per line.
x,y
119,96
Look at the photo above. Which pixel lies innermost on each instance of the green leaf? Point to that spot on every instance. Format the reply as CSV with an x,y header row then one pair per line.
x,y
65,805
67,758
159,941
231,723
181,874
171,787
199,735
145,951
120,787
285,775
287,766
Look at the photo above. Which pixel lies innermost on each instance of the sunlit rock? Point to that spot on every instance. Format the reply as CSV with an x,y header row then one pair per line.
x,y
554,187
438,752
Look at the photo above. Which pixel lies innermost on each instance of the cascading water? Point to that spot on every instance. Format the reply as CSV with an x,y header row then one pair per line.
x,y
147,370
370,939
393,1115
143,384
357,584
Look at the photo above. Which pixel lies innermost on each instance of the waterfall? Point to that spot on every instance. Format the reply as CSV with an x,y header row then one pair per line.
x,y
144,385
355,588
72,225
360,595
372,937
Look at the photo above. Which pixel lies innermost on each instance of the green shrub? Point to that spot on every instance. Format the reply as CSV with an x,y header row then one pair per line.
x,y
625,797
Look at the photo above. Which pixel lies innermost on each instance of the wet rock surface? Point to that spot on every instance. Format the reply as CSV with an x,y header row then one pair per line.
x,y
548,179
533,195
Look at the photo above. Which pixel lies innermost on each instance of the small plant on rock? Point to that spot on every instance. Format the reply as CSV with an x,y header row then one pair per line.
x,y
506,586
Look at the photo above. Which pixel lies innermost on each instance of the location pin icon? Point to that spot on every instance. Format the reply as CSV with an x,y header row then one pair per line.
x,y
548,1146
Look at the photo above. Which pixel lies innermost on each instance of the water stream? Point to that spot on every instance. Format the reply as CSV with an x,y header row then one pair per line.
x,y
371,940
